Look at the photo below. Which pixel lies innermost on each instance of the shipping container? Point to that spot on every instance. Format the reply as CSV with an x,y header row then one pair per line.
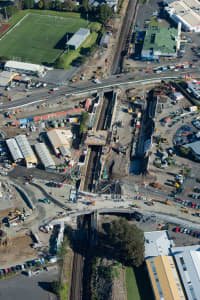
x,y
60,113
30,119
23,121
193,108
15,123
88,104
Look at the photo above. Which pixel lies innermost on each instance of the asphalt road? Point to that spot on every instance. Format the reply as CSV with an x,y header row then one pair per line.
x,y
113,81
22,287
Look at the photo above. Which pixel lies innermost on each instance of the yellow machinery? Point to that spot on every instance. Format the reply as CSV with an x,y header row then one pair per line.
x,y
184,210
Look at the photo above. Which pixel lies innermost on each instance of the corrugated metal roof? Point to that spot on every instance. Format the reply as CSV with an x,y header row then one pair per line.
x,y
26,149
188,264
164,278
195,147
65,151
44,155
14,149
78,38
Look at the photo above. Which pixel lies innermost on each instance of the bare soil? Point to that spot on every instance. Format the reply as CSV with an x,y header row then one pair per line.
x,y
15,249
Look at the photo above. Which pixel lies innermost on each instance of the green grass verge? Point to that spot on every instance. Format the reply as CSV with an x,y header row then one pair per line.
x,y
63,292
45,42
67,58
131,285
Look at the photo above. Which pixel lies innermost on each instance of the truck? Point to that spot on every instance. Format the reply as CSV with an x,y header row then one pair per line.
x,y
138,124
193,108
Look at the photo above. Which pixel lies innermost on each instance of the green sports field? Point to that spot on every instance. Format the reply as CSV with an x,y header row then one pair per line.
x,y
39,38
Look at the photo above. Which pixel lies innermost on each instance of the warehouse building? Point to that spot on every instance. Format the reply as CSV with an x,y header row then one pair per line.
x,y
195,148
15,152
21,67
188,263
60,141
78,38
164,278
194,88
27,152
45,157
157,243
187,12
159,42
6,77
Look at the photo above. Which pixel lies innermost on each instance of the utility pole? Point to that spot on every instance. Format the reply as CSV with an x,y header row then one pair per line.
x,y
67,44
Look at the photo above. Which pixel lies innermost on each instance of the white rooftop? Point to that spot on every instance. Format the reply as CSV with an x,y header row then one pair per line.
x,y
45,156
188,263
157,243
79,37
14,149
187,10
11,64
26,148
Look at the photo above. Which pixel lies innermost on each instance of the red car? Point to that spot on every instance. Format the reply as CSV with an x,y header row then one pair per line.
x,y
177,229
51,92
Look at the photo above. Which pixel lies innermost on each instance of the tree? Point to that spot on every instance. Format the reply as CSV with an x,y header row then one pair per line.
x,y
58,5
85,5
185,151
55,287
3,59
84,119
69,5
11,10
127,241
27,4
40,4
105,12
46,4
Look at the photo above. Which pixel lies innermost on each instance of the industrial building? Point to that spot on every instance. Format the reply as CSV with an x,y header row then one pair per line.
x,y
194,88
60,141
26,150
45,157
15,152
159,42
78,38
31,69
188,263
164,278
157,243
187,12
6,77
195,148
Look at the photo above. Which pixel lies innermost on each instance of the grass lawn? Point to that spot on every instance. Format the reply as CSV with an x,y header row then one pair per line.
x,y
131,285
40,36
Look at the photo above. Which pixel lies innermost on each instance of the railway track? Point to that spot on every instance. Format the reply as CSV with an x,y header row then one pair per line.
x,y
124,37
77,277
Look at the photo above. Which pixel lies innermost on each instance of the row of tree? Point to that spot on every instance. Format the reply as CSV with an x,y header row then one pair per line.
x,y
102,13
